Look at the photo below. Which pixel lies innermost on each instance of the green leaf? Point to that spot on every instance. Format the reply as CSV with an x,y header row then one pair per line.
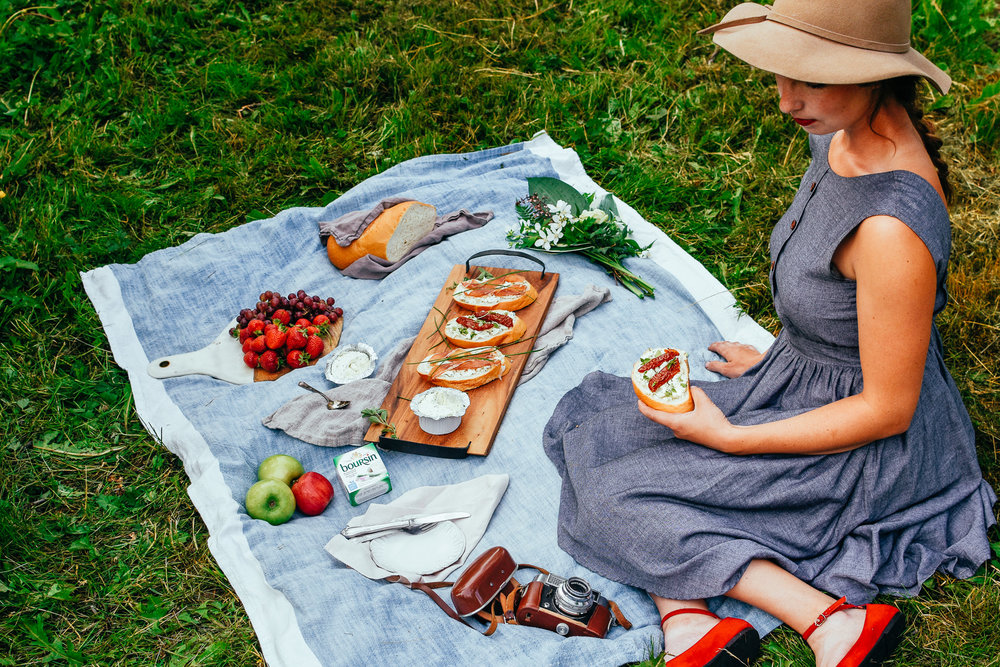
x,y
7,263
552,190
989,91
608,205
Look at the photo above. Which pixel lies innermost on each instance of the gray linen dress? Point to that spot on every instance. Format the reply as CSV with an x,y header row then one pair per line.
x,y
683,521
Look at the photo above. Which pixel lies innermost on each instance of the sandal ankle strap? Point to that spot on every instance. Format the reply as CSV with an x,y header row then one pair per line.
x,y
686,610
839,605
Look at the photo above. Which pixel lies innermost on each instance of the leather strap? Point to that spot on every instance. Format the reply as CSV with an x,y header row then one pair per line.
x,y
839,605
503,608
619,616
429,590
685,610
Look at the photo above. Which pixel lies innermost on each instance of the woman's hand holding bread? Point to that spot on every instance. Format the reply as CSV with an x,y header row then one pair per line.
x,y
705,424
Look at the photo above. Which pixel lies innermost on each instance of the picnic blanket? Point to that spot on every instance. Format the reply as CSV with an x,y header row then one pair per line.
x,y
306,607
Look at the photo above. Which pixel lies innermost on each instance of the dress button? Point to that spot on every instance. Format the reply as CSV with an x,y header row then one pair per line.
x,y
794,222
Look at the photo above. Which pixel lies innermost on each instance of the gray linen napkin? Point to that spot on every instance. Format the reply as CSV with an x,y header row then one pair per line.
x,y
305,417
479,497
557,329
348,227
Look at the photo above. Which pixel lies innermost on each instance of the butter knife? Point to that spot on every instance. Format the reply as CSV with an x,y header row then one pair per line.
x,y
411,524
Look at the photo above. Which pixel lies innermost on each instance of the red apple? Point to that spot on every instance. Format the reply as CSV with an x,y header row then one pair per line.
x,y
313,493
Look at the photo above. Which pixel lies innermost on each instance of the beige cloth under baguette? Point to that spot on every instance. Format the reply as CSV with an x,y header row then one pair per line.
x,y
348,228
305,417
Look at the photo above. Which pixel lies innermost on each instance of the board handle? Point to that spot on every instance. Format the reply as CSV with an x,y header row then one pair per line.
x,y
512,253
423,449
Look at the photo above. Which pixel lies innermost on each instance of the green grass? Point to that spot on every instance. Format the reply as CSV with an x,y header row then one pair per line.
x,y
127,127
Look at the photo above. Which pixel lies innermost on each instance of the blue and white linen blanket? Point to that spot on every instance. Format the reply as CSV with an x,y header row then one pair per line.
x,y
307,608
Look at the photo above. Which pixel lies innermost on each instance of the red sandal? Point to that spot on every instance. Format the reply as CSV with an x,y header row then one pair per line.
x,y
879,638
731,643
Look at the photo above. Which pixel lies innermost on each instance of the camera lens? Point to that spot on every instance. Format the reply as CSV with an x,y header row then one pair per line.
x,y
574,597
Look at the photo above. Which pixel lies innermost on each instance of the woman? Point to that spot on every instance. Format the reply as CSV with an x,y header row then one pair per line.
x,y
840,462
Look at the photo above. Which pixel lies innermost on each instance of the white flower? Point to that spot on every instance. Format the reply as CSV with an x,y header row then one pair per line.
x,y
595,214
560,210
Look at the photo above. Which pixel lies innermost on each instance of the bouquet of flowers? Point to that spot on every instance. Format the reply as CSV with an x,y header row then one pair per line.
x,y
555,217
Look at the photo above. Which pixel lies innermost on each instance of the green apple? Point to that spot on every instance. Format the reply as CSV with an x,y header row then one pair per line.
x,y
280,466
271,500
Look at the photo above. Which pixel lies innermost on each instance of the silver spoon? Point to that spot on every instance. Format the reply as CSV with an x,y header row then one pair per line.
x,y
330,403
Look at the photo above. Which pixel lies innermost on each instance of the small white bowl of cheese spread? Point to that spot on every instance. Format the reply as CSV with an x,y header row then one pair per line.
x,y
440,409
351,362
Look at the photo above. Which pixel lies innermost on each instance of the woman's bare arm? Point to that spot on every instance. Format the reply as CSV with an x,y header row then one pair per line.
x,y
896,286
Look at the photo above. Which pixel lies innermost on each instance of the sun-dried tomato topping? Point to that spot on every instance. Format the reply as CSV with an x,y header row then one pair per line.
x,y
665,374
459,365
499,318
495,287
517,289
473,323
662,359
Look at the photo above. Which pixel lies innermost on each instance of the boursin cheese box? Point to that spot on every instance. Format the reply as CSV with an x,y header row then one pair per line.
x,y
363,474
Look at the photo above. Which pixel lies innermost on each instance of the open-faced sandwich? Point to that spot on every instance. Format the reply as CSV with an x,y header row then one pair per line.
x,y
464,369
506,292
491,327
660,379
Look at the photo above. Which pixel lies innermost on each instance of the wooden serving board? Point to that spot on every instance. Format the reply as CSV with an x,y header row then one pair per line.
x,y
489,402
223,359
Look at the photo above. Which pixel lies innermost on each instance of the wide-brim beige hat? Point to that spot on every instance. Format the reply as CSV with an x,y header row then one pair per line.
x,y
827,41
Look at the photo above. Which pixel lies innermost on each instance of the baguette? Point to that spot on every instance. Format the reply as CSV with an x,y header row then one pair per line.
x,y
390,236
660,380
464,369
492,327
507,292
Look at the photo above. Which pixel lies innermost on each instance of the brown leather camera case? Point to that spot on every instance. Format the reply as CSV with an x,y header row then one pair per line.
x,y
482,581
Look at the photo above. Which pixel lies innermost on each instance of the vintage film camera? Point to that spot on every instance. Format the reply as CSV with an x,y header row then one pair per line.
x,y
489,591
569,607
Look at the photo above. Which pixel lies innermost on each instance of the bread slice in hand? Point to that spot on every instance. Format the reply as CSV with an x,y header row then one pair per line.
x,y
660,379
464,369
390,236
491,327
506,292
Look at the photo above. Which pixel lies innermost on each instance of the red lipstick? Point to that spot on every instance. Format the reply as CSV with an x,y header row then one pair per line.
x,y
804,122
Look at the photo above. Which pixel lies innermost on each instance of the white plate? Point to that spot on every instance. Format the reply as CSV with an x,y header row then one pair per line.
x,y
420,553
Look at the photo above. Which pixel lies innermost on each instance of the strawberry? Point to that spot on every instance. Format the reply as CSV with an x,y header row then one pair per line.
x,y
320,319
244,333
314,347
297,359
275,335
246,345
296,338
313,330
250,359
270,361
283,316
302,322
258,344
255,327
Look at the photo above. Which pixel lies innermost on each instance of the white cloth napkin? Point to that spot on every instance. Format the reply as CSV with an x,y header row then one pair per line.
x,y
479,497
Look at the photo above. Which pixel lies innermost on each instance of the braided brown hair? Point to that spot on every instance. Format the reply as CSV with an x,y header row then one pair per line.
x,y
903,89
